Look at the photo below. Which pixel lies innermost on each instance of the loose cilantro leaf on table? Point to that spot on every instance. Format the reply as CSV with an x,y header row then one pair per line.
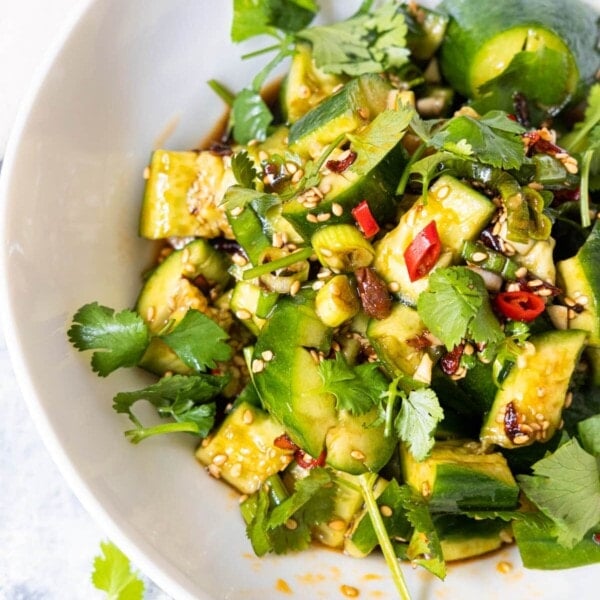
x,y
420,413
565,486
198,341
112,574
119,339
456,306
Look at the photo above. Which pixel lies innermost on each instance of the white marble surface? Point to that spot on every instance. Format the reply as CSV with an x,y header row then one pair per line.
x,y
47,540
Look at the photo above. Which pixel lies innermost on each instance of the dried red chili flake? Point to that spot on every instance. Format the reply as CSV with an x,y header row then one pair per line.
x,y
450,362
596,538
339,166
511,421
373,293
284,443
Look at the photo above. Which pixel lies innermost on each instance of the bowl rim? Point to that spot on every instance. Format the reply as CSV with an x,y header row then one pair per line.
x,y
146,559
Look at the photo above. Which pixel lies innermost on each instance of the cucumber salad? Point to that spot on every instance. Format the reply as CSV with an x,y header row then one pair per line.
x,y
376,302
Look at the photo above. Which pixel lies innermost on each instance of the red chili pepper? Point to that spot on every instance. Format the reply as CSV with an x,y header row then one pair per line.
x,y
284,442
423,252
519,305
365,219
308,462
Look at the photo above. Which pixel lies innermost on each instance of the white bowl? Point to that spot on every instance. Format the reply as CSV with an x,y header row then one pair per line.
x,y
125,73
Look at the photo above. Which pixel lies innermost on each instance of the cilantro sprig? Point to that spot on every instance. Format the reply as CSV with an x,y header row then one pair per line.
x,y
371,41
456,306
121,339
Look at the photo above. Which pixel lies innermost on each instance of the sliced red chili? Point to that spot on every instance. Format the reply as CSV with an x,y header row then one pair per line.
x,y
284,443
519,305
423,252
366,221
308,462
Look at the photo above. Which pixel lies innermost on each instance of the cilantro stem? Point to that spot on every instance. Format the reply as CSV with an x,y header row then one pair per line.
x,y
406,173
366,481
222,92
261,51
137,435
280,263
584,203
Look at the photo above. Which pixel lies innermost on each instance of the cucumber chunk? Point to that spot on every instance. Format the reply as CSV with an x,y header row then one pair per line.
x,y
170,292
460,213
183,193
242,451
529,405
357,103
524,37
458,476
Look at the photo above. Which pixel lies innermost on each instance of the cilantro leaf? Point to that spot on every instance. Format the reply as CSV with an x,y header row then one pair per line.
x,y
305,492
589,433
198,341
566,487
112,574
420,412
424,548
353,392
577,140
251,18
287,526
365,43
119,339
457,306
493,139
243,169
251,116
184,398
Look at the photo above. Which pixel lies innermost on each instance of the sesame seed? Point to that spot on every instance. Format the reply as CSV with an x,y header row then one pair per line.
x,y
327,253
504,567
357,455
325,187
425,489
349,591
513,287
582,300
521,272
393,286
297,176
568,399
237,211
239,259
214,471
236,470
337,525
317,285
312,218
248,417
304,91
337,209
363,113
291,167
291,524
544,292
295,288
520,439
267,355
442,192
526,428
219,459
277,240
258,365
150,313
479,257
243,315
322,217
535,283
386,510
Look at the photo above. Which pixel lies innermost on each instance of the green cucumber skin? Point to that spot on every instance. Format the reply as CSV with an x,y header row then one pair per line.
x,y
460,488
290,389
474,23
